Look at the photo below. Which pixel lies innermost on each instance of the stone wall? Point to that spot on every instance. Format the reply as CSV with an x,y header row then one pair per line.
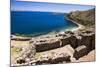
x,y
82,44
47,46
74,41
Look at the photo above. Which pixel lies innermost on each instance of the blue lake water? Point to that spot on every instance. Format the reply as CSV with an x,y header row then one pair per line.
x,y
24,22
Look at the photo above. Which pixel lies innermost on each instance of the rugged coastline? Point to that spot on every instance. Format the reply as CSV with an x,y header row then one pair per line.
x,y
63,47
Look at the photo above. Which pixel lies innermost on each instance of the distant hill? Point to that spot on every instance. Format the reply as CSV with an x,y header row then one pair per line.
x,y
86,18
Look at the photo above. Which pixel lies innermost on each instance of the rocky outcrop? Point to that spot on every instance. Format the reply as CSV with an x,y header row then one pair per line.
x,y
82,43
75,40
65,59
89,42
54,61
50,57
27,54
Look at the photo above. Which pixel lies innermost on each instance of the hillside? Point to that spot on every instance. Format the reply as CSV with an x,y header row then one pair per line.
x,y
86,18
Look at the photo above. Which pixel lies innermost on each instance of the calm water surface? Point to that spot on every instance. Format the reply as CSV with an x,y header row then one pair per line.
x,y
38,22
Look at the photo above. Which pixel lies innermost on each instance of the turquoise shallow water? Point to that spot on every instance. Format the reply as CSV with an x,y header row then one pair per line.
x,y
36,23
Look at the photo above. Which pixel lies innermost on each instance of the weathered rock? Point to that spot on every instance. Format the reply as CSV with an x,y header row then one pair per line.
x,y
88,41
73,41
80,52
27,52
47,46
88,58
21,61
65,41
54,61
93,42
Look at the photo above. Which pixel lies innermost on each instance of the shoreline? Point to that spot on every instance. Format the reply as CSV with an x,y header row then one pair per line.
x,y
80,26
52,33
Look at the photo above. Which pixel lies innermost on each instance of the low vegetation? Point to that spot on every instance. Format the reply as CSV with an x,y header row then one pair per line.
x,y
86,18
